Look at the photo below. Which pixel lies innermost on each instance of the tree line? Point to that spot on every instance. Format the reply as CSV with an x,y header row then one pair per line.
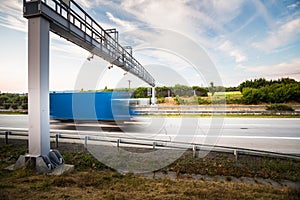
x,y
13,101
253,92
177,90
274,91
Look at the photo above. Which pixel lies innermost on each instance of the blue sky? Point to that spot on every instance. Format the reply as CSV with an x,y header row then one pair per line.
x,y
243,39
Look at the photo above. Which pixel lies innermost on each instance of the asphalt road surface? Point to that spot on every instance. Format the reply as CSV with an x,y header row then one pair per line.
x,y
270,134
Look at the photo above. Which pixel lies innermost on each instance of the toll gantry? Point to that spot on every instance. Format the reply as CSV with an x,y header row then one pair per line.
x,y
68,20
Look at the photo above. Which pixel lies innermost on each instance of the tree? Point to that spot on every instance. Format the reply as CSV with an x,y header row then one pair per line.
x,y
200,91
140,92
183,90
163,91
3,99
252,96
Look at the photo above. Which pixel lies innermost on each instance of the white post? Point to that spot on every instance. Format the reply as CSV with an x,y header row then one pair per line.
x,y
153,99
38,86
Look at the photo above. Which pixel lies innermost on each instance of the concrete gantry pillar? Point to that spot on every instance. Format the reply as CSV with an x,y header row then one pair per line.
x,y
38,86
153,99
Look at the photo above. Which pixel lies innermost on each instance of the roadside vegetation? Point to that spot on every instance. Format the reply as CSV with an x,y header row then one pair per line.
x,y
262,91
93,180
271,93
10,101
279,108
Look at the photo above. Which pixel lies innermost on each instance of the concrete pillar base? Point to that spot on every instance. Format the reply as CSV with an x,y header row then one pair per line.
x,y
38,164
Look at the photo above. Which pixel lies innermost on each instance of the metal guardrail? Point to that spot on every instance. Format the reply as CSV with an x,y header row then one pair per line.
x,y
214,106
181,111
204,109
160,144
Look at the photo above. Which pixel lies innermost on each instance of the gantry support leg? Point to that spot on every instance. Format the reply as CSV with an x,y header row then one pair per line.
x,y
38,86
153,99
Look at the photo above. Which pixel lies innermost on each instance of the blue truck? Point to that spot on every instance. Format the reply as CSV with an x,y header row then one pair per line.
x,y
101,106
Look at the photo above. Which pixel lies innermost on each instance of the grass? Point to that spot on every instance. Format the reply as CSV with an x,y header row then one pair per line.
x,y
224,164
225,115
93,180
13,112
231,97
81,185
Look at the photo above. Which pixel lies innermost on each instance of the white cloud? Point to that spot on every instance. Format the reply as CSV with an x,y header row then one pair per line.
x,y
294,5
12,15
233,51
223,11
63,48
285,34
283,69
168,14
85,3
125,24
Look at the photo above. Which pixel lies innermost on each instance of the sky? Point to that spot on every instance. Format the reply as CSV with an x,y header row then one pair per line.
x,y
192,42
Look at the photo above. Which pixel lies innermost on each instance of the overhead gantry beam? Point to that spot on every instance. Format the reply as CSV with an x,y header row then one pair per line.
x,y
70,21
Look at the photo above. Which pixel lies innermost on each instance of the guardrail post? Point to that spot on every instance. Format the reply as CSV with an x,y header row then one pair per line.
x,y
118,142
6,136
56,140
85,141
235,153
195,148
154,145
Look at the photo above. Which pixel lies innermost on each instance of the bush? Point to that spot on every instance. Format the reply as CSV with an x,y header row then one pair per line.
x,y
178,100
6,106
203,101
14,106
279,107
160,100
200,91
24,106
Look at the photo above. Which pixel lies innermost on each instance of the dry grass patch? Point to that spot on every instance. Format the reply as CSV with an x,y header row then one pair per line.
x,y
92,180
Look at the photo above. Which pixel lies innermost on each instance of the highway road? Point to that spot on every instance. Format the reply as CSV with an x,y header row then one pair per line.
x,y
270,134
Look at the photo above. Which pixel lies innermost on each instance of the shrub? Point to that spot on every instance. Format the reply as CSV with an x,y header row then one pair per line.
x,y
6,106
14,106
279,107
178,100
24,106
160,100
203,101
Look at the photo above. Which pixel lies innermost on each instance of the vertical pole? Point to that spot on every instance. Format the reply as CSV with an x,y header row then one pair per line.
x,y
195,148
154,145
85,141
118,142
153,100
235,153
6,136
129,81
56,140
38,86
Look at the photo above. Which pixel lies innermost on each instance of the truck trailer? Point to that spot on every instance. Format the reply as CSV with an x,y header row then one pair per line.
x,y
100,106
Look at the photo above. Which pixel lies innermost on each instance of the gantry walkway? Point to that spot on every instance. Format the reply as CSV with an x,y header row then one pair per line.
x,y
70,21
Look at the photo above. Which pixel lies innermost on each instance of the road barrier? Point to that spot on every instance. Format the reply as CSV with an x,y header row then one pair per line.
x,y
74,136
199,109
